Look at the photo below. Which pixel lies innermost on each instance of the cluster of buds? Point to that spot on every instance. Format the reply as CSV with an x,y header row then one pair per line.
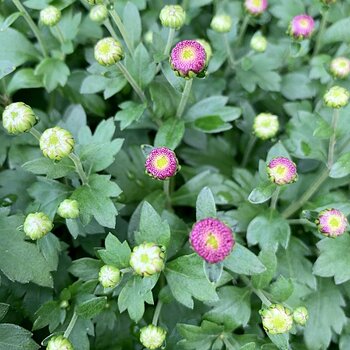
x,y
265,126
331,222
50,16
336,97
152,337
282,171
59,343
172,16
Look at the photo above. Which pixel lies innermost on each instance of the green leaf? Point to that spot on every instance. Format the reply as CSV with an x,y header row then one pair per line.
x,y
187,280
262,193
10,20
298,86
3,310
205,205
262,280
95,200
213,272
130,113
49,314
85,268
132,23
170,133
24,79
341,167
92,307
211,124
13,337
337,32
50,248
281,289
243,261
280,340
6,67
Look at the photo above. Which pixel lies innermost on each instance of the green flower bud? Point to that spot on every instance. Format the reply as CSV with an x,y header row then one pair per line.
x,y
336,97
18,118
108,51
147,259
98,13
340,67
64,304
109,276
148,37
276,319
301,315
258,43
68,209
152,337
265,126
59,343
172,16
56,143
207,48
37,225
94,2
50,16
221,23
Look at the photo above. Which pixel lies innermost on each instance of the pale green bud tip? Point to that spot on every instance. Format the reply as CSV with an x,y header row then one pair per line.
x,y
172,16
56,143
59,343
147,259
108,51
18,118
276,319
68,209
207,48
336,97
98,13
221,23
258,43
50,16
109,276
265,126
301,315
37,225
152,337
95,2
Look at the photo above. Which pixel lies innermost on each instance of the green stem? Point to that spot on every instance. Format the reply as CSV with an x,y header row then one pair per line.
x,y
117,20
35,133
300,222
171,35
157,312
70,325
243,29
59,34
31,24
248,150
274,198
184,98
320,33
333,138
166,188
109,27
79,168
230,56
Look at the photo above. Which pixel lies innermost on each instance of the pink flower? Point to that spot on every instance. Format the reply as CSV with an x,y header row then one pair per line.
x,y
301,26
331,222
282,171
212,240
188,58
161,163
255,7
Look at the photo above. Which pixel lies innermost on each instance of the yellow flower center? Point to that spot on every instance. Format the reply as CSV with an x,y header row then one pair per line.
x,y
161,162
104,48
280,170
256,3
278,322
188,53
144,258
334,222
53,140
212,241
304,23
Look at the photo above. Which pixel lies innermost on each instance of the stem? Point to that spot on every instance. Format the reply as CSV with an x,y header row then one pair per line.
x,y
117,20
243,29
300,222
230,56
320,32
79,168
31,24
166,188
109,27
250,146
184,98
171,35
274,198
257,292
35,133
333,138
71,325
157,312
60,34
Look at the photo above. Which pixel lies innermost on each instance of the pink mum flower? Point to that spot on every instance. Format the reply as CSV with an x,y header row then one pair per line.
x,y
212,240
188,59
255,7
331,222
301,26
282,171
161,163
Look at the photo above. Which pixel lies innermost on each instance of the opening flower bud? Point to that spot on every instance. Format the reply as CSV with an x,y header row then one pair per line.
x,y
18,118
282,171
221,23
109,276
50,16
56,143
258,43
340,67
301,27
276,319
162,163
331,222
98,13
172,16
37,225
300,315
255,7
59,343
336,97
147,259
108,51
265,126
207,48
68,209
152,337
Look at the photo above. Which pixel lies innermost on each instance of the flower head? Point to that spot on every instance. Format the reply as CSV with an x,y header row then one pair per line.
x,y
59,343
276,319
301,27
98,13
255,7
331,222
56,143
207,48
147,259
172,16
300,315
258,43
108,51
336,97
188,59
282,171
37,225
68,209
18,118
340,67
161,163
265,125
109,276
152,337
221,23
50,16
212,240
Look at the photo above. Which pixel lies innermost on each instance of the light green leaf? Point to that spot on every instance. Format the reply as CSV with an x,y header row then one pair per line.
x,y
170,133
24,79
205,205
13,337
92,307
262,280
262,193
131,112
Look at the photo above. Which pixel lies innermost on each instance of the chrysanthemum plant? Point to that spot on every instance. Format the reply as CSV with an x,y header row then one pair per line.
x,y
174,174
